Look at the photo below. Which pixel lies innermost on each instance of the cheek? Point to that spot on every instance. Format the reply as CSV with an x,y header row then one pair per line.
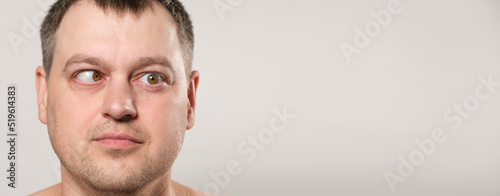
x,y
71,114
166,122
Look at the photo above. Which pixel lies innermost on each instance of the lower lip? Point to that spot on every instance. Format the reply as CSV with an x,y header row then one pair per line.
x,y
117,143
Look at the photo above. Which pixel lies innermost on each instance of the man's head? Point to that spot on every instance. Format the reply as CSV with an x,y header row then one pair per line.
x,y
53,20
120,93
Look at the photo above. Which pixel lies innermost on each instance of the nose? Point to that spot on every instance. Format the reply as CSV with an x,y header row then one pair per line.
x,y
119,102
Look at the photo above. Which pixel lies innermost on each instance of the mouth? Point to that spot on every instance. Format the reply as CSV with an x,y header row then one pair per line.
x,y
117,140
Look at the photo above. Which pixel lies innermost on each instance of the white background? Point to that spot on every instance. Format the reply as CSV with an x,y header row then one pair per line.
x,y
353,120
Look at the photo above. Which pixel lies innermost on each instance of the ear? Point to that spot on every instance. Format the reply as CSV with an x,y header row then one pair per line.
x,y
191,94
41,91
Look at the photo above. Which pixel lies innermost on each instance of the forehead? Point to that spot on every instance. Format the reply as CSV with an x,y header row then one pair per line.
x,y
112,34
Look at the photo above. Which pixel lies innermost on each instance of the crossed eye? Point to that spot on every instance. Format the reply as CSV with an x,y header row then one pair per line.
x,y
91,76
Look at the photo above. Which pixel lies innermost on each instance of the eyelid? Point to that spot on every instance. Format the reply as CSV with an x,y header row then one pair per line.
x,y
83,70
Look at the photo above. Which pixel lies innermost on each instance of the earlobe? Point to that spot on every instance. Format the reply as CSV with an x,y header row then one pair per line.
x,y
191,94
41,90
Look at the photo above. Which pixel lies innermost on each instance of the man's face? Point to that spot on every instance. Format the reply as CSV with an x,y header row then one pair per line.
x,y
117,101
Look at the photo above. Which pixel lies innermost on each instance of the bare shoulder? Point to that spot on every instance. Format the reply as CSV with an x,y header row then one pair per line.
x,y
53,190
182,190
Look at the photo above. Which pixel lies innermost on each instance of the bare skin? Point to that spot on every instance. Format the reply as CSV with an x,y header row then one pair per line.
x,y
178,190
117,102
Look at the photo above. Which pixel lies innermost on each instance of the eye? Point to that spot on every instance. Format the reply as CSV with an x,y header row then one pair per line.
x,y
151,78
89,76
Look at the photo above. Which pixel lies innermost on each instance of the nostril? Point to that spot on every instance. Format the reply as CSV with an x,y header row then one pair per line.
x,y
126,117
119,103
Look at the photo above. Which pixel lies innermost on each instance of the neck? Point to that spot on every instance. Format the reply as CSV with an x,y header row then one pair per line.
x,y
71,185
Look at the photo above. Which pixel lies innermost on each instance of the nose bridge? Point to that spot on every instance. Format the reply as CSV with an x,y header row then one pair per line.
x,y
119,101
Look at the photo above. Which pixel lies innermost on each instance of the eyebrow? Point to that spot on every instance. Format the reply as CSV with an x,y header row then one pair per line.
x,y
81,58
141,62
155,60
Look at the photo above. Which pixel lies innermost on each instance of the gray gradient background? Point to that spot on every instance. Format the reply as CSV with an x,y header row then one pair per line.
x,y
352,121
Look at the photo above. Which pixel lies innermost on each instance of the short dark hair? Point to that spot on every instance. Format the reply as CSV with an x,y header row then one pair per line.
x,y
58,10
